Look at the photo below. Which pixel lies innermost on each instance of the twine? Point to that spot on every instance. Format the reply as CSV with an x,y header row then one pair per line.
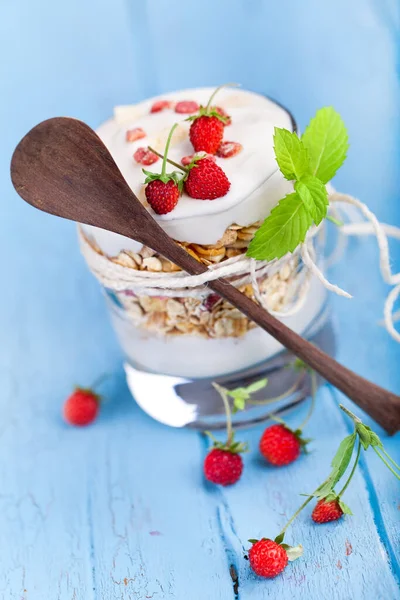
x,y
242,270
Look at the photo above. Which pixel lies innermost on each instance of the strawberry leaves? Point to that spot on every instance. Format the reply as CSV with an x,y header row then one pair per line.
x,y
310,162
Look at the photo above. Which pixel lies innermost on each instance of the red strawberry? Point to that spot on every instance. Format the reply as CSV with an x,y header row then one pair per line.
x,y
186,107
223,466
163,189
223,113
160,105
267,558
162,197
229,149
206,181
326,511
82,407
206,133
280,445
135,134
144,156
186,160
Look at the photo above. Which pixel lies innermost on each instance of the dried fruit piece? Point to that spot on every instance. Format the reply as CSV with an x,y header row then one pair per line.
x,y
144,156
186,107
135,134
223,113
186,160
229,149
160,105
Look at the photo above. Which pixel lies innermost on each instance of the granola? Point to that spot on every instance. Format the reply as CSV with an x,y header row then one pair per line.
x,y
209,317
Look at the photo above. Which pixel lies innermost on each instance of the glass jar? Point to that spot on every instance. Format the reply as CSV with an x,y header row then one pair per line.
x,y
179,340
178,343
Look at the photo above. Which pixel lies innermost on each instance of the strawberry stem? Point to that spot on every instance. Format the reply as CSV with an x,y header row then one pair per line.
x,y
99,380
171,162
353,470
350,414
313,397
216,91
164,162
391,459
386,463
229,430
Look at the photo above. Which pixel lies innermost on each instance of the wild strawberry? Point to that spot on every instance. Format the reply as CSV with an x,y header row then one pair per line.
x,y
223,464
163,189
327,510
186,160
160,105
229,149
81,407
207,129
223,467
206,180
162,197
206,133
186,107
280,446
223,113
144,156
267,558
135,134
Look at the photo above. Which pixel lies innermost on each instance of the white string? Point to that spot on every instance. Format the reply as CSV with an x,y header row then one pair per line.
x,y
242,270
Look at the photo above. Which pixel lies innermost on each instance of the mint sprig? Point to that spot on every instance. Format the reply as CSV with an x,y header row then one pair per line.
x,y
310,162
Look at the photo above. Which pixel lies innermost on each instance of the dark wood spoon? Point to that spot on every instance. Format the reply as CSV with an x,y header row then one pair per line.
x,y
62,167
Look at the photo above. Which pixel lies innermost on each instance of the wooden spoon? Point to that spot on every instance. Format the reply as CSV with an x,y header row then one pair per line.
x,y
62,167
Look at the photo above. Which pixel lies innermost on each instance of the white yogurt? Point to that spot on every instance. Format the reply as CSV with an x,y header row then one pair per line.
x,y
256,183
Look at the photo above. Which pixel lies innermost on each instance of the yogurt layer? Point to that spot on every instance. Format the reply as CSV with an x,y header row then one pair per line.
x,y
256,183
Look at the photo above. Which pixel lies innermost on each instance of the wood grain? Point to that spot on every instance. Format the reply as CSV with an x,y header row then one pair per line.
x,y
62,167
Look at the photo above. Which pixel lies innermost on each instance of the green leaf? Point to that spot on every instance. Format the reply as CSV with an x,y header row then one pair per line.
x,y
282,231
346,509
314,196
342,458
339,464
293,552
374,437
327,142
239,403
290,154
257,386
279,538
364,435
253,541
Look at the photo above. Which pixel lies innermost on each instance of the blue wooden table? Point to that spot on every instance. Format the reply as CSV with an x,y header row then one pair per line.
x,y
120,510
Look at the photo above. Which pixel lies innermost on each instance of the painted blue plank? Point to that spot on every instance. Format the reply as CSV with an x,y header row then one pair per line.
x,y
120,511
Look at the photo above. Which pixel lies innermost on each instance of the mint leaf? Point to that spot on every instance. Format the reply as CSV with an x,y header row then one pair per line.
x,y
314,196
327,142
282,231
290,154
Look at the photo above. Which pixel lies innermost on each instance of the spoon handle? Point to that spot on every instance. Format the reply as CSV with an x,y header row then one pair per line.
x,y
382,405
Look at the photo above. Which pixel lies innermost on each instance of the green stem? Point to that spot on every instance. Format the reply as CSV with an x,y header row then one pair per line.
x,y
164,163
99,380
334,221
350,414
229,430
386,463
298,511
288,392
313,376
353,470
216,91
390,458
171,162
